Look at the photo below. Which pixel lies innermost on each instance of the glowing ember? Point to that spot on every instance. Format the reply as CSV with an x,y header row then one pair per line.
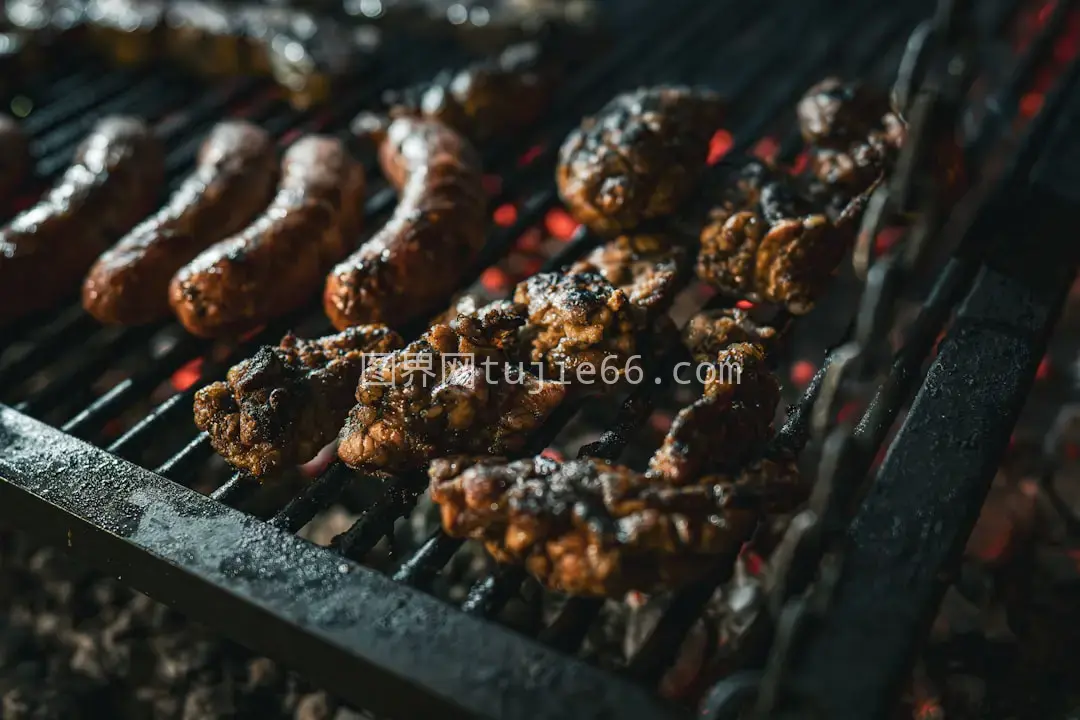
x,y
800,163
766,149
530,155
1044,369
552,454
1044,12
847,412
744,305
290,137
754,564
560,224
494,280
187,376
505,215
492,184
247,336
802,372
887,238
1030,104
530,241
660,422
719,146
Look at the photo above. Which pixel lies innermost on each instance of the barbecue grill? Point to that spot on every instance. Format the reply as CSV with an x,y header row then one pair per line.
x,y
98,451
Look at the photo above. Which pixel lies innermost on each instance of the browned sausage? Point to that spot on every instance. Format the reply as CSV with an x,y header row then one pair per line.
x,y
433,237
14,155
114,181
233,181
277,262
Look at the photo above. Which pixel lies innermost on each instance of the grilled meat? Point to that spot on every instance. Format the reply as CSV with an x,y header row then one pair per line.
x,y
452,391
126,31
732,420
764,242
14,156
853,135
491,97
579,327
114,180
284,404
276,263
232,182
648,268
588,527
434,236
638,158
709,333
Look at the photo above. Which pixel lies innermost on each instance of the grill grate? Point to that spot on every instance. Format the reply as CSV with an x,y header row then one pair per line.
x,y
372,639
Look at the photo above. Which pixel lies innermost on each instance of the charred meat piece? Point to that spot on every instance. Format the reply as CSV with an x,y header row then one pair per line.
x,y
211,39
588,527
649,268
579,328
452,391
276,264
709,333
284,404
491,97
435,234
835,114
853,135
113,182
731,421
772,246
638,158
14,156
233,181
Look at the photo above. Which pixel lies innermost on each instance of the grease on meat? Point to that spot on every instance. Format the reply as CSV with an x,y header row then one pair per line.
x,y
452,391
233,180
588,527
436,232
277,263
113,182
639,158
284,404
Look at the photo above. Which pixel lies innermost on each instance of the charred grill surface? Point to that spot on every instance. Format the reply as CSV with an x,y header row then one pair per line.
x,y
112,183
588,527
638,158
284,404
233,181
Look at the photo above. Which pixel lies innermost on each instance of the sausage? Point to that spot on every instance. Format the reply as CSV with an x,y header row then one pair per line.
x,y
232,182
431,240
115,180
488,98
277,262
14,155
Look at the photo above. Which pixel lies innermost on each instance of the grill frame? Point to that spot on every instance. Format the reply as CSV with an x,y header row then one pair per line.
x,y
52,484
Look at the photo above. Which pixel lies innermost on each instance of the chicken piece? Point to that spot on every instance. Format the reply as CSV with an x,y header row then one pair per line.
x,y
709,333
728,424
588,527
284,404
452,391
638,158
649,268
766,243
579,328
